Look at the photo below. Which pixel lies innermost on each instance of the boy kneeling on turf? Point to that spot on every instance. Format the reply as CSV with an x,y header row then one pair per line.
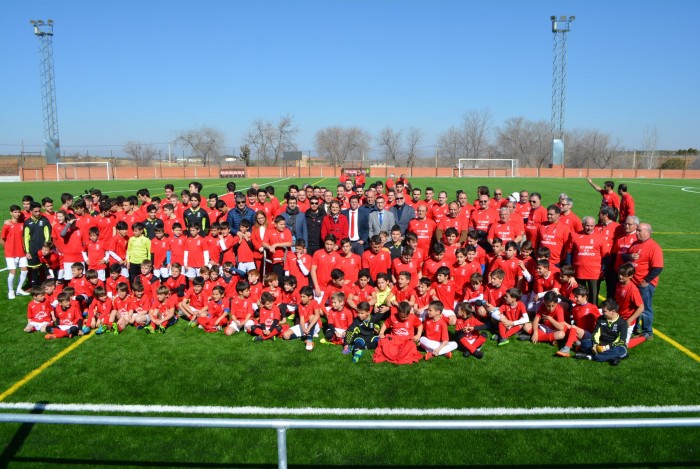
x,y
608,340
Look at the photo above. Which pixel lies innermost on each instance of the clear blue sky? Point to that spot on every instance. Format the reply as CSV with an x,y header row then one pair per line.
x,y
144,70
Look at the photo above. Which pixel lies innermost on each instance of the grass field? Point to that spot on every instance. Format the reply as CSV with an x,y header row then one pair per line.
x,y
187,367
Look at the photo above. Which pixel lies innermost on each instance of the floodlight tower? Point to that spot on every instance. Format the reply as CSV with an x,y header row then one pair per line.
x,y
560,27
44,31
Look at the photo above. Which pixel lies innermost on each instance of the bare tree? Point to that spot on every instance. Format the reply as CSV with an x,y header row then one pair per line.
x,y
591,148
206,143
270,140
390,142
141,153
337,144
476,127
414,137
451,145
649,142
527,141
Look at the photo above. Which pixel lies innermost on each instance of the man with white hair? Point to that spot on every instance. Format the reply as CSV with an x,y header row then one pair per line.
x,y
648,260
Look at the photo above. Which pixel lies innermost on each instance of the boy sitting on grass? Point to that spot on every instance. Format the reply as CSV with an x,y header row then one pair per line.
x,y
269,320
309,314
362,334
69,319
608,340
38,311
436,339
162,312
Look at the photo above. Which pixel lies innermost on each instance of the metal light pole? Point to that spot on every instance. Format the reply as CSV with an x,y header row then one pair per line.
x,y
44,31
560,27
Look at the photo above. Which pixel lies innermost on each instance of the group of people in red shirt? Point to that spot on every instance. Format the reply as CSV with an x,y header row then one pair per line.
x,y
307,266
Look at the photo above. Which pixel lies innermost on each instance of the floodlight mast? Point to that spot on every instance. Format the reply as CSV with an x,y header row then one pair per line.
x,y
560,27
44,31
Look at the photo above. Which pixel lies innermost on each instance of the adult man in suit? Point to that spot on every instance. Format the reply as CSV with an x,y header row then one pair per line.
x,y
380,220
403,213
358,225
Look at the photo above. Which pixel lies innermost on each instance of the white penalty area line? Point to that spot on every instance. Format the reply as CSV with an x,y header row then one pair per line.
x,y
322,412
691,189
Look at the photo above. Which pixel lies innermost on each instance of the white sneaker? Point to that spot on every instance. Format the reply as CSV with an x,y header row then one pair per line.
x,y
309,346
22,292
11,295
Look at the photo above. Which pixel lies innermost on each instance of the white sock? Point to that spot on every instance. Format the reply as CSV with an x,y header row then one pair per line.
x,y
22,278
10,282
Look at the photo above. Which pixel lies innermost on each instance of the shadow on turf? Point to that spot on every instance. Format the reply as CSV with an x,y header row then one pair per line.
x,y
18,439
94,462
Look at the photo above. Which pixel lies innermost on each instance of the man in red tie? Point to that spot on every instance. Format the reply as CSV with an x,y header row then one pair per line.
x,y
358,225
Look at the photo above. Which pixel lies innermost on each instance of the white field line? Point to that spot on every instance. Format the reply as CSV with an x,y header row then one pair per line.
x,y
464,412
683,188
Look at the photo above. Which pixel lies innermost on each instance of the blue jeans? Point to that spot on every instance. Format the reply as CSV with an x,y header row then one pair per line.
x,y
615,352
648,313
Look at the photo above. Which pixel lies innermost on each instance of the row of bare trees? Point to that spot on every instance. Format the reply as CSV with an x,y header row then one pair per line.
x,y
520,138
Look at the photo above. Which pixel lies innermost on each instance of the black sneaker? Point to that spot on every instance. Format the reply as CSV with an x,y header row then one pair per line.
x,y
615,361
485,335
466,353
478,354
582,356
648,336
524,337
495,337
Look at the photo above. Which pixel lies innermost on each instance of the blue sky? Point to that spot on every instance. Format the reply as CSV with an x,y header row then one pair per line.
x,y
144,70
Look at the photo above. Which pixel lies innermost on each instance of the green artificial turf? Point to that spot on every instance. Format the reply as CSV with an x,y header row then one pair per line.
x,y
188,367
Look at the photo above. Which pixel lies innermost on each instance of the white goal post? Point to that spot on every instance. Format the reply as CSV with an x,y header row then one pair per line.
x,y
84,170
487,167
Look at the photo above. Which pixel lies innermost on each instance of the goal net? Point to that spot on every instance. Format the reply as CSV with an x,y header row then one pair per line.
x,y
83,171
485,167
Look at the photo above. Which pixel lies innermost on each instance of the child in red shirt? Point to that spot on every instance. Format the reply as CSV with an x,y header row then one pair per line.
x,y
403,324
162,311
436,339
270,323
216,311
194,302
101,314
511,316
242,312
95,254
444,291
339,319
630,301
122,307
50,259
309,314
548,325
467,332
38,311
68,317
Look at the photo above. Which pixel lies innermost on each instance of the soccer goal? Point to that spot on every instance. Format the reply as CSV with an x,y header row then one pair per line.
x,y
83,171
487,167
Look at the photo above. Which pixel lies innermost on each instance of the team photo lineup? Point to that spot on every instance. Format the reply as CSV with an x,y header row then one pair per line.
x,y
410,273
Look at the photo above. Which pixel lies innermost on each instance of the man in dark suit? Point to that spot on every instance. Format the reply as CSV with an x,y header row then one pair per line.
x,y
358,225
